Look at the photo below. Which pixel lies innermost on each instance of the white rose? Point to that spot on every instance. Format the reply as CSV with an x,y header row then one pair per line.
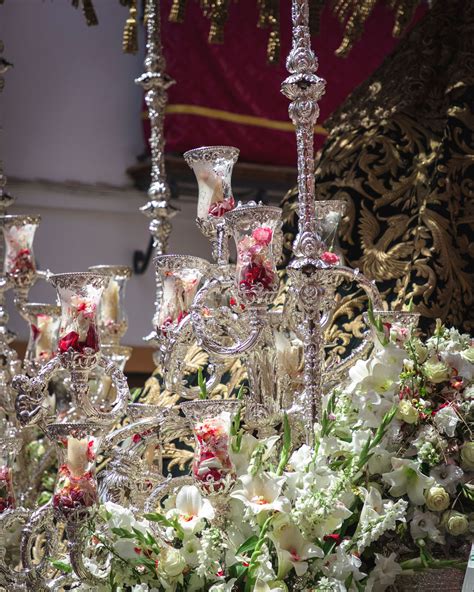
x,y
172,563
455,523
406,412
436,371
468,354
437,499
467,456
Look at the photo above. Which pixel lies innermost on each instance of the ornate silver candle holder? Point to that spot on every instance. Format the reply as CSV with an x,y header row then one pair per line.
x,y
78,353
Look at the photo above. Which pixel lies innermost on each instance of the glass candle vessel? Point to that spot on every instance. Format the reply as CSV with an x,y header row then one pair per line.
x,y
75,491
44,325
213,166
329,214
79,295
113,322
254,227
181,276
211,419
19,262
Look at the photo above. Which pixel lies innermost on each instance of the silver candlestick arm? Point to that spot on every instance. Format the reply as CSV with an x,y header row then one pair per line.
x,y
155,83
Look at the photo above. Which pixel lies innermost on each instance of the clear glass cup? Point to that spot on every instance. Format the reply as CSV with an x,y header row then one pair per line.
x,y
211,420
79,295
19,233
44,322
329,214
181,277
254,228
213,166
113,322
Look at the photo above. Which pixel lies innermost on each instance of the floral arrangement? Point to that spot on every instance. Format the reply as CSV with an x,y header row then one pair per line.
x,y
386,491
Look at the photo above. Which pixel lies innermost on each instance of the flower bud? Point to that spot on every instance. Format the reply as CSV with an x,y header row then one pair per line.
x,y
437,499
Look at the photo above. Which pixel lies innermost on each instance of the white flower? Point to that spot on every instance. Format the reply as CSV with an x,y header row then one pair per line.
x,y
406,412
437,499
377,517
384,573
461,362
191,547
301,458
248,445
223,586
293,551
448,476
140,588
406,478
262,493
424,525
436,370
380,461
446,420
126,549
171,562
191,509
330,585
342,564
120,517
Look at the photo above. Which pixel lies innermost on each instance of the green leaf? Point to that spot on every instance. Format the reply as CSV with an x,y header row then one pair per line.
x,y
123,533
286,449
62,566
202,385
139,535
468,492
249,545
156,517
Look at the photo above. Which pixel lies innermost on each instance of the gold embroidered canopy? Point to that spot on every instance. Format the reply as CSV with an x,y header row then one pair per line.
x,y
352,15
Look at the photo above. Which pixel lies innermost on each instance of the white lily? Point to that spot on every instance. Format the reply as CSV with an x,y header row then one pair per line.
x,y
406,478
293,550
425,525
384,573
448,476
248,445
342,564
261,493
191,509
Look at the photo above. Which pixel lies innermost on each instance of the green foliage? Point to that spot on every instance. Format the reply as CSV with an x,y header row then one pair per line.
x,y
202,385
286,449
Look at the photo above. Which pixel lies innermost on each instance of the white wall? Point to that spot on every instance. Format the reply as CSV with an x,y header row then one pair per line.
x,y
71,112
70,107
